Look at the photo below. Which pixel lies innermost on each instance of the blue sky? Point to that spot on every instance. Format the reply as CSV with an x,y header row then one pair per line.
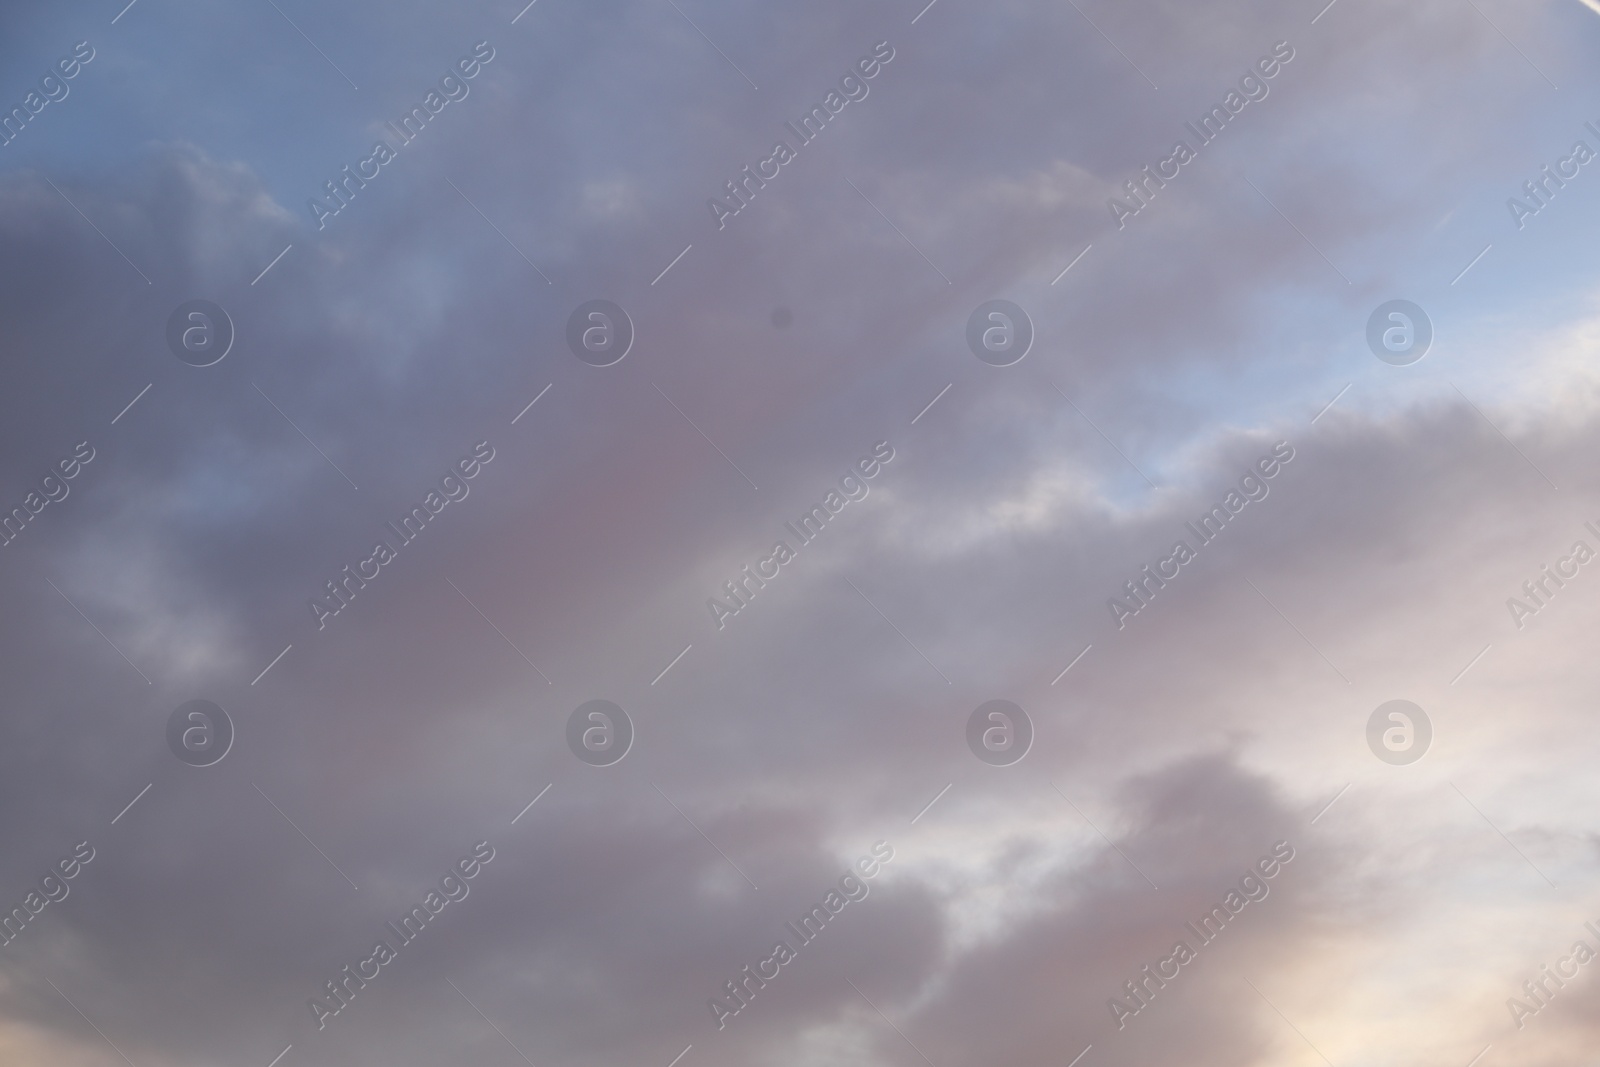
x,y
431,314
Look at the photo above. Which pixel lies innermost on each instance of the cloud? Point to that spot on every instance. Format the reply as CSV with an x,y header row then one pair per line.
x,y
828,714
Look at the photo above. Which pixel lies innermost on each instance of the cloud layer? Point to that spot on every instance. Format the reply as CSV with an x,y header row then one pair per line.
x,y
428,321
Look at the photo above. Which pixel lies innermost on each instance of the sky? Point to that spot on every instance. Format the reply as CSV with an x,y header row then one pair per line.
x,y
998,540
